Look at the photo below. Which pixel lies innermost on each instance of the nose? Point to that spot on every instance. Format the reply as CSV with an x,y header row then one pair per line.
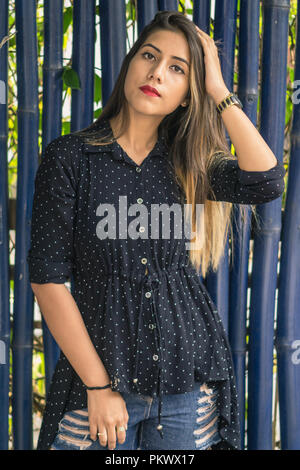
x,y
157,71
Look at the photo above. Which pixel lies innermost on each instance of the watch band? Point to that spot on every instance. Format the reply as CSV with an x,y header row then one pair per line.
x,y
228,101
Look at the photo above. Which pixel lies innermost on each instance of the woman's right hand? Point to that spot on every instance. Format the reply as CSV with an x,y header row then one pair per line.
x,y
107,411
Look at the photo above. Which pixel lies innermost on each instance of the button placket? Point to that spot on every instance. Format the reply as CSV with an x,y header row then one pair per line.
x,y
140,200
150,284
151,325
148,293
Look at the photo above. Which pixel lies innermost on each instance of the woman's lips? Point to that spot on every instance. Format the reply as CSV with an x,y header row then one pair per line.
x,y
148,92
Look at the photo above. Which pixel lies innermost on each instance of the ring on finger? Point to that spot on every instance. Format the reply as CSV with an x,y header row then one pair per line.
x,y
121,428
101,433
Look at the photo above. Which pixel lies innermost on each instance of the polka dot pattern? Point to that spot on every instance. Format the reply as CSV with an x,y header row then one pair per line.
x,y
146,310
232,184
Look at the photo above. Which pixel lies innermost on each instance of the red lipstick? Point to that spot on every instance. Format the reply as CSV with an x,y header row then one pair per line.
x,y
148,90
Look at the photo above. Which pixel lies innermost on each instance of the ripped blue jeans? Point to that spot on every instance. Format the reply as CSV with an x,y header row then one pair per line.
x,y
190,422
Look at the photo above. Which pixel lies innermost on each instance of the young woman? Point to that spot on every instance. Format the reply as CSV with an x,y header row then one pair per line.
x,y
145,362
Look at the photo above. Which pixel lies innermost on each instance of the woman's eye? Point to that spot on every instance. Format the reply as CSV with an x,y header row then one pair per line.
x,y
149,54
179,68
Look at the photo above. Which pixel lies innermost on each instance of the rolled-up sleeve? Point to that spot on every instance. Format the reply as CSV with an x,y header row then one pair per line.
x,y
232,184
50,257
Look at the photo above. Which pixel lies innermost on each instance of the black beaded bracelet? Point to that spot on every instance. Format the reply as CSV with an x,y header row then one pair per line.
x,y
96,388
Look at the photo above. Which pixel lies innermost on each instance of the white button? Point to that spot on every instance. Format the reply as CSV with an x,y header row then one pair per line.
x,y
151,326
140,200
142,229
148,294
155,357
144,260
135,380
138,169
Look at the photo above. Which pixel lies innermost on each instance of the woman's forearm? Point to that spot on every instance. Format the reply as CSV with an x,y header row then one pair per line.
x,y
252,151
65,322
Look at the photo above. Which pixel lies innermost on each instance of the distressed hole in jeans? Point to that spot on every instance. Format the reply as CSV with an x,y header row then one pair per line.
x,y
82,412
74,430
207,418
80,444
77,421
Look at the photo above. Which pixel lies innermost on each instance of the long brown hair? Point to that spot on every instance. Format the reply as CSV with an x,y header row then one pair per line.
x,y
196,139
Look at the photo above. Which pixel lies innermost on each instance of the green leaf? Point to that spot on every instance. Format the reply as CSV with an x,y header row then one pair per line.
x,y
67,18
70,78
66,127
289,111
97,113
97,88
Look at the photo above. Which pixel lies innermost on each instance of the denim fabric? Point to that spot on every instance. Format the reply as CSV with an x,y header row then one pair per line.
x,y
190,422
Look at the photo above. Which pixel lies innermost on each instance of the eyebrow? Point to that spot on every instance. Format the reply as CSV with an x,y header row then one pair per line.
x,y
173,56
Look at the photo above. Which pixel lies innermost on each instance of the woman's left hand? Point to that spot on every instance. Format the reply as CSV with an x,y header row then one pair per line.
x,y
214,82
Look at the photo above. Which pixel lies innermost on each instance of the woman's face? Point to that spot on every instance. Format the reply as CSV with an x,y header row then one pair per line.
x,y
154,65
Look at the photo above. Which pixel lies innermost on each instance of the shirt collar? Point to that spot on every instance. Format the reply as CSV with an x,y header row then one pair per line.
x,y
160,148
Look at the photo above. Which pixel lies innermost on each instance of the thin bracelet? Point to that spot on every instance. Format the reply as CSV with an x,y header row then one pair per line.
x,y
96,388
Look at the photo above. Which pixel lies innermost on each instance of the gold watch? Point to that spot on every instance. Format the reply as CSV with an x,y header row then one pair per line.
x,y
228,101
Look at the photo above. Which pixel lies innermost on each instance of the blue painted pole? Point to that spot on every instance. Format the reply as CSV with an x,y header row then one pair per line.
x,y
51,123
146,10
4,237
82,109
168,5
28,125
288,313
113,43
265,258
248,61
225,19
201,14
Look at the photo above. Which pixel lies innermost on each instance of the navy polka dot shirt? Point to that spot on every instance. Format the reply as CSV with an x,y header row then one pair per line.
x,y
146,310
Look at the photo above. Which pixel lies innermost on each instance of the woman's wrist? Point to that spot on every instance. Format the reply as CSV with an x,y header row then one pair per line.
x,y
96,382
96,377
219,95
